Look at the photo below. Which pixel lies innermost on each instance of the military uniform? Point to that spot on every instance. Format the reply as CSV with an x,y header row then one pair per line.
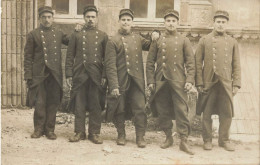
x,y
84,63
173,54
217,71
42,67
124,70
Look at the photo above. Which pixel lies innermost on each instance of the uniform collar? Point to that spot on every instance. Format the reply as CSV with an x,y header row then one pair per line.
x,y
85,27
174,33
124,32
216,34
46,28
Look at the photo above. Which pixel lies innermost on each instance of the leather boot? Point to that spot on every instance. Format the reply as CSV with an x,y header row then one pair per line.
x,y
95,138
121,139
51,135
207,145
37,134
140,141
227,145
77,137
185,147
168,142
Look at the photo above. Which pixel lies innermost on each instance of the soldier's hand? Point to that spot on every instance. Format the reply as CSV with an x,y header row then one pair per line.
x,y
187,87
115,92
235,90
103,82
29,83
151,87
200,89
155,35
69,81
78,27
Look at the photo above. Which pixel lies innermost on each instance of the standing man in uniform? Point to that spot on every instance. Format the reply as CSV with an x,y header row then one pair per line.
x,y
85,74
43,73
125,74
169,83
218,78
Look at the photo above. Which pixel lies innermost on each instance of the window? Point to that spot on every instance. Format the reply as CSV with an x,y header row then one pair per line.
x,y
151,10
69,9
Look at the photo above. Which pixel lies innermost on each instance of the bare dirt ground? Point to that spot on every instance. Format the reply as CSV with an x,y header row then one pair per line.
x,y
19,149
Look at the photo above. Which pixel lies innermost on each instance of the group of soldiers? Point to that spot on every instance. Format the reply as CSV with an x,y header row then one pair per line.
x,y
94,62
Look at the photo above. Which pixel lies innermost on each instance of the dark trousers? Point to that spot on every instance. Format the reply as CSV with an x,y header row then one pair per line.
x,y
218,102
47,103
134,98
167,96
88,98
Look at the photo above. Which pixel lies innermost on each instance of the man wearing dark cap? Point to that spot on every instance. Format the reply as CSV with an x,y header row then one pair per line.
x,y
43,73
125,74
168,82
218,78
85,74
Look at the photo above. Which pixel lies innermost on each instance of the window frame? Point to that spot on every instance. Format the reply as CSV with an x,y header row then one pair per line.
x,y
72,17
151,13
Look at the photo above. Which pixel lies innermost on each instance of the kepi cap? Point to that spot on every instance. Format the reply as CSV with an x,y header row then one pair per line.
x,y
126,12
45,9
171,12
221,13
90,8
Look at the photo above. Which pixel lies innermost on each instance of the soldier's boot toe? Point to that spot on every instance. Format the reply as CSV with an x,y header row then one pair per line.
x,y
168,142
77,137
207,145
185,147
121,139
140,142
95,138
36,134
227,146
51,135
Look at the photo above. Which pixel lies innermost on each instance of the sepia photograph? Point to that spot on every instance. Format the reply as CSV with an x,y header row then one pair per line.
x,y
120,82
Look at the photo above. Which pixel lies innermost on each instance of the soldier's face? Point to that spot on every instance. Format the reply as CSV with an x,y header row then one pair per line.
x,y
220,24
46,19
126,22
91,18
171,23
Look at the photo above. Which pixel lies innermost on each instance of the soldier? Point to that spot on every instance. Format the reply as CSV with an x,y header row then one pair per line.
x,y
85,74
125,74
42,71
169,83
218,78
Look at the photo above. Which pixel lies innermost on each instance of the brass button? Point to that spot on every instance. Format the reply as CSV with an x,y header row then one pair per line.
x,y
136,62
163,57
96,36
53,35
164,64
84,31
127,63
83,42
41,31
95,61
174,63
95,48
95,42
46,61
54,41
83,48
84,37
97,32
127,56
84,55
176,49
136,68
163,50
128,70
95,55
45,54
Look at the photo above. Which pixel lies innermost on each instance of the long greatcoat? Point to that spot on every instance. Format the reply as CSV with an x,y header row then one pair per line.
x,y
85,59
175,62
217,56
124,61
42,50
